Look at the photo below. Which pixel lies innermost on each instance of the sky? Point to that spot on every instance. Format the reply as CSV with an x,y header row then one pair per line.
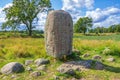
x,y
103,12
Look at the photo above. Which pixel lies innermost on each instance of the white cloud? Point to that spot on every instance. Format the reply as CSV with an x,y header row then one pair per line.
x,y
74,7
72,4
105,17
111,20
41,20
89,4
100,15
8,5
2,14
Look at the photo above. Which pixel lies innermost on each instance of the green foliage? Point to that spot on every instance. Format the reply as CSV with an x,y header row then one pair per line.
x,y
110,29
83,24
107,51
24,12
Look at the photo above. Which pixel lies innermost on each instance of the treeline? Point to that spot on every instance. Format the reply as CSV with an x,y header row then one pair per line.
x,y
85,24
19,34
111,29
23,31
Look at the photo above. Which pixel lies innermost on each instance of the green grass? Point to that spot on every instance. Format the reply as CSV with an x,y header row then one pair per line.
x,y
21,49
115,37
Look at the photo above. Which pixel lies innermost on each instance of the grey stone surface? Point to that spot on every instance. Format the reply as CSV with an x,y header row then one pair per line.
x,y
42,68
59,33
76,51
14,76
41,61
56,77
35,74
28,62
99,66
111,59
86,55
80,66
69,71
29,69
98,57
4,78
13,67
75,65
75,79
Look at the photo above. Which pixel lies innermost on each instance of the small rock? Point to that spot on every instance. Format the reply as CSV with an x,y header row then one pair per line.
x,y
41,61
75,65
86,55
28,62
35,74
29,68
82,79
99,66
74,79
69,71
64,78
56,77
111,59
13,67
76,51
82,65
4,78
97,57
41,68
13,76
87,64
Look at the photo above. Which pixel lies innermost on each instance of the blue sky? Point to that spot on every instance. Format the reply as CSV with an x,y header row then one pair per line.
x,y
103,12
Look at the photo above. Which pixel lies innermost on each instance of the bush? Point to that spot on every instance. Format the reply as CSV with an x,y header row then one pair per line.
x,y
37,36
107,51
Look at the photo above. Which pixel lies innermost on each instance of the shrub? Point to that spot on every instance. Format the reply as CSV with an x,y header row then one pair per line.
x,y
37,36
107,51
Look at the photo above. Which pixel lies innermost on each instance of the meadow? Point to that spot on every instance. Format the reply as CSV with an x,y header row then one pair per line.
x,y
19,48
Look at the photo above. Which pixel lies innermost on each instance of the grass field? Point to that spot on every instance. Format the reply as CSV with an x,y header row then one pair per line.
x,y
103,36
21,49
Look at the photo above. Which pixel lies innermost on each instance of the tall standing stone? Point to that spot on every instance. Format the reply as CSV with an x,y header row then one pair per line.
x,y
59,33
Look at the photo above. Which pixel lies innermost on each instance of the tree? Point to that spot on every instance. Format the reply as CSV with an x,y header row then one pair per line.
x,y
83,24
25,12
117,28
111,29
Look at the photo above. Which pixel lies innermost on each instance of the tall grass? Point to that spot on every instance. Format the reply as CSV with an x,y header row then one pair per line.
x,y
11,48
22,48
97,45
